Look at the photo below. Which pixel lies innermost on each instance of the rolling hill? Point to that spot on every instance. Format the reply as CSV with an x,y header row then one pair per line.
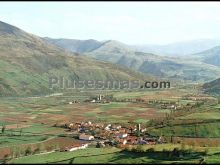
x,y
79,46
212,87
210,56
180,49
148,63
27,61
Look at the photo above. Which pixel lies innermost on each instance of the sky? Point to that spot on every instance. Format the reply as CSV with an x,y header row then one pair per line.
x,y
128,22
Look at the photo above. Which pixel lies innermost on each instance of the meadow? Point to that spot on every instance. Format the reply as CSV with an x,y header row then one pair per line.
x,y
29,121
115,155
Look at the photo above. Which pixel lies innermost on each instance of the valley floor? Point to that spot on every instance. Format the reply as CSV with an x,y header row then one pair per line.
x,y
187,118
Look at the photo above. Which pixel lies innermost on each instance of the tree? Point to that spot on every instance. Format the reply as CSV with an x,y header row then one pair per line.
x,y
28,151
3,129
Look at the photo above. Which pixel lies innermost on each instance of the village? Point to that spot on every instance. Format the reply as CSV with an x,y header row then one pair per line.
x,y
103,135
108,134
194,101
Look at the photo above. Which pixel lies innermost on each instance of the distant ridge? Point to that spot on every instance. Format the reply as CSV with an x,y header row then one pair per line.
x,y
177,68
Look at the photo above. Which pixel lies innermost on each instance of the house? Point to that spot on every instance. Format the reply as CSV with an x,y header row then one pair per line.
x,y
161,140
71,126
122,135
99,98
107,128
83,146
122,141
86,137
100,144
118,127
144,130
142,142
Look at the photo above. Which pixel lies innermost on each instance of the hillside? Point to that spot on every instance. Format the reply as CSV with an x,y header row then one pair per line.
x,y
212,87
161,66
27,62
78,46
210,56
180,49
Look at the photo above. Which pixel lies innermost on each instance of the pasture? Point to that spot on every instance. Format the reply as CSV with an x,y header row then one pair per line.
x,y
30,122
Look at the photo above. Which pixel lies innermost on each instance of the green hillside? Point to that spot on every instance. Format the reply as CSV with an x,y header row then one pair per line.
x,y
161,66
27,62
210,56
212,87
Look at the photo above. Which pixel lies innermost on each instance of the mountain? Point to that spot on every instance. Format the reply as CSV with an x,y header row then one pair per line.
x,y
180,48
27,61
148,63
212,87
211,56
72,45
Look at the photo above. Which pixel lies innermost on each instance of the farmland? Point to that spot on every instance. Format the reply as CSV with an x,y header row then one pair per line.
x,y
30,122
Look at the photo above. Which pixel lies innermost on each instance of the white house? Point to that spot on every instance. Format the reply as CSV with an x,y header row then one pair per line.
x,y
124,142
86,137
83,146
107,128
123,135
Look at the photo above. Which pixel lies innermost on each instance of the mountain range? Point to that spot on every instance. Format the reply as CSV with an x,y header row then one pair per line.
x,y
212,87
187,68
181,49
211,56
27,61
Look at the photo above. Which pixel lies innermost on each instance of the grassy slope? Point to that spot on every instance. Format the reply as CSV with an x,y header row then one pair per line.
x,y
194,70
191,69
113,155
27,62
212,87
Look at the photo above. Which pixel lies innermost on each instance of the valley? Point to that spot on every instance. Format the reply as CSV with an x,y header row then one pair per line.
x,y
175,119
38,124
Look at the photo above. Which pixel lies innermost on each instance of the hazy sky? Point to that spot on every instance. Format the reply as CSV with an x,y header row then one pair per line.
x,y
129,22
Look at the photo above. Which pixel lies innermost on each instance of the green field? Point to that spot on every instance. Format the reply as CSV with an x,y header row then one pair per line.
x,y
114,155
38,115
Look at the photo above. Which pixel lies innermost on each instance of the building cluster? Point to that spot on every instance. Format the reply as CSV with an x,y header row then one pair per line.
x,y
94,99
113,134
98,99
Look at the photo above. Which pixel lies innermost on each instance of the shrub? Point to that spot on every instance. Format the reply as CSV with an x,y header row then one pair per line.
x,y
150,150
43,138
37,150
129,148
206,151
140,148
28,151
134,149
176,152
